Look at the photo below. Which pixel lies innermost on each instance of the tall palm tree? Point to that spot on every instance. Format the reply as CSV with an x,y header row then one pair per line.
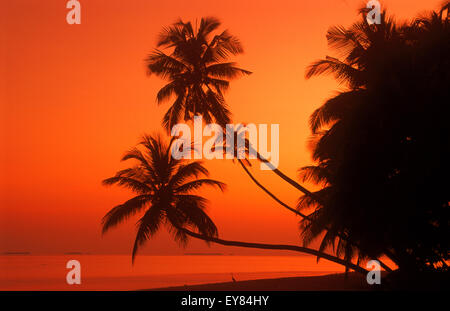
x,y
374,138
164,189
245,149
197,66
199,72
360,46
315,199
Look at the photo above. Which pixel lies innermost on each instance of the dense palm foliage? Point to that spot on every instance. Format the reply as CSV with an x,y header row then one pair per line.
x,y
164,189
198,69
382,145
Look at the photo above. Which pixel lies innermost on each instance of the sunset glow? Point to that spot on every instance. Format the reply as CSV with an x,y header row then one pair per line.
x,y
74,98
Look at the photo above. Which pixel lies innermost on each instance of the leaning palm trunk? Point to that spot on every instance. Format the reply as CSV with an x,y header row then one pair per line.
x,y
382,264
347,264
287,179
270,193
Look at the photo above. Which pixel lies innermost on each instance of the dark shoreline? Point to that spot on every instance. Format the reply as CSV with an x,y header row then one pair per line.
x,y
330,282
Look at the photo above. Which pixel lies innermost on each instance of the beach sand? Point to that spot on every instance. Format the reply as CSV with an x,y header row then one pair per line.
x,y
332,282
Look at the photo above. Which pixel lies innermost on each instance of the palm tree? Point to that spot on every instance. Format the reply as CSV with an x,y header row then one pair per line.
x,y
198,74
314,199
198,69
361,46
374,138
164,189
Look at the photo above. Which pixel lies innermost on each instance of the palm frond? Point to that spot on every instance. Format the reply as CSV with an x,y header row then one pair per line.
x,y
219,85
193,208
172,35
226,44
145,167
195,184
173,114
342,72
336,108
218,108
346,41
146,227
168,90
185,171
226,70
158,178
165,66
328,240
122,212
207,25
175,220
128,182
318,174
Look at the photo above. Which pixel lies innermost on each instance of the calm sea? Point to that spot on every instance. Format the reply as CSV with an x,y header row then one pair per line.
x,y
115,272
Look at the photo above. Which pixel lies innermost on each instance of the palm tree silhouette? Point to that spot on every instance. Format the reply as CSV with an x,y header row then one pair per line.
x,y
314,199
375,137
195,69
198,70
355,70
164,187
198,75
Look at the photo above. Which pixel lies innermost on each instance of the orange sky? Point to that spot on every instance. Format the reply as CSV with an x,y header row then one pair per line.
x,y
75,97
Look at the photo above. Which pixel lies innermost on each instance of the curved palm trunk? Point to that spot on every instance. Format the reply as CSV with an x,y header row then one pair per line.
x,y
382,264
311,195
287,179
270,193
294,248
